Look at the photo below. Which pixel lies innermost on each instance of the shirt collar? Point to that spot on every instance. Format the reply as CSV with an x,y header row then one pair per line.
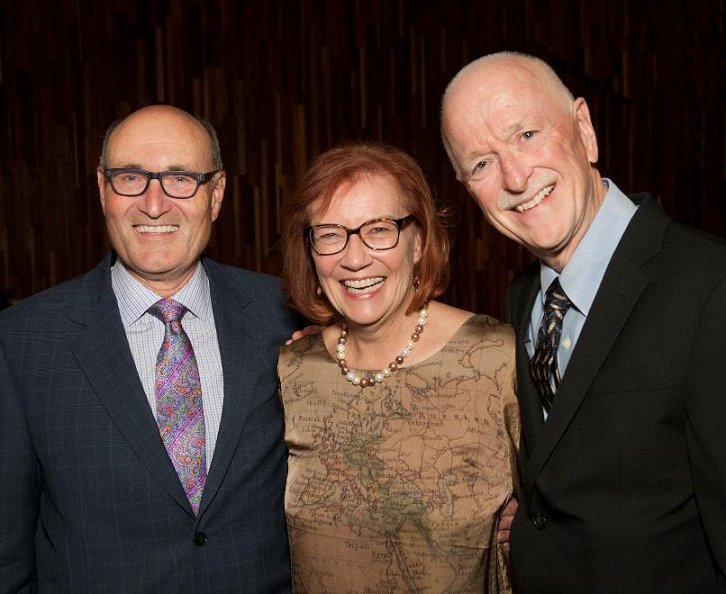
x,y
134,298
581,277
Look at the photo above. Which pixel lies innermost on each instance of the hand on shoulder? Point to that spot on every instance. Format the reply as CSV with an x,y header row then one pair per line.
x,y
298,334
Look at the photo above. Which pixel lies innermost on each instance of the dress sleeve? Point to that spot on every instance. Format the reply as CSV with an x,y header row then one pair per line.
x,y
510,411
500,580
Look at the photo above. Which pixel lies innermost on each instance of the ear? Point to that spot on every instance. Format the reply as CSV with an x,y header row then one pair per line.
x,y
101,180
417,246
218,194
585,129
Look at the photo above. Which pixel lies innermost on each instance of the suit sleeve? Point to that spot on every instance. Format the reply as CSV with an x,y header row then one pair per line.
x,y
19,480
706,410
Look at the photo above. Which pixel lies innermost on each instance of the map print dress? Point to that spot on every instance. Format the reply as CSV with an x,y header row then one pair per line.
x,y
396,488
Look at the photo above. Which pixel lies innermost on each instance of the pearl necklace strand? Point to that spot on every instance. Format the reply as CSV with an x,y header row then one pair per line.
x,y
378,376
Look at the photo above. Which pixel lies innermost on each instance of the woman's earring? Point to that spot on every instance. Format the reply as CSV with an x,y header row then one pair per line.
x,y
319,291
416,281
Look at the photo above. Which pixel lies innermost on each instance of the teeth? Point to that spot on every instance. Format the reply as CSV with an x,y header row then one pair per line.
x,y
156,229
363,285
536,200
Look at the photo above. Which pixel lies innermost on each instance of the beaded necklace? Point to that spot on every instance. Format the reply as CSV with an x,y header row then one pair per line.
x,y
376,377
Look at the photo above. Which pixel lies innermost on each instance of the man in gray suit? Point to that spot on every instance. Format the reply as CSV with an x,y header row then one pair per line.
x,y
142,452
620,359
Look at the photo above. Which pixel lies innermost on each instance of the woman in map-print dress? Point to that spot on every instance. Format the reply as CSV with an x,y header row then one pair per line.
x,y
401,415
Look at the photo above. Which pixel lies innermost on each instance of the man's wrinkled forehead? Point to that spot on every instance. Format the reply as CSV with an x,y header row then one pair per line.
x,y
500,96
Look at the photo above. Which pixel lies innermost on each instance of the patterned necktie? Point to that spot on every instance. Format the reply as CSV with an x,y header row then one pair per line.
x,y
543,365
178,391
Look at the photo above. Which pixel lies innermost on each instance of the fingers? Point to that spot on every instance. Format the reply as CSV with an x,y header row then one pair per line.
x,y
505,523
298,334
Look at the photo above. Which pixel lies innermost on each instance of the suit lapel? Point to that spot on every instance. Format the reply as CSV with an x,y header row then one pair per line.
x,y
622,285
529,400
237,349
615,299
103,354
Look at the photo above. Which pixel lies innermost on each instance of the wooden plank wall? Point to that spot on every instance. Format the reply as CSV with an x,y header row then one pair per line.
x,y
285,79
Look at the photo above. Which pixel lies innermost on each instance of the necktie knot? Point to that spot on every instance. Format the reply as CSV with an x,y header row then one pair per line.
x,y
556,298
168,310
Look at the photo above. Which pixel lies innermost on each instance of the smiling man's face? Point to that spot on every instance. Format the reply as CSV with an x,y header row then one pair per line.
x,y
159,239
524,152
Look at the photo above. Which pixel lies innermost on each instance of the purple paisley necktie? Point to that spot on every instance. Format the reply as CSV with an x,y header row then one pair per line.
x,y
178,391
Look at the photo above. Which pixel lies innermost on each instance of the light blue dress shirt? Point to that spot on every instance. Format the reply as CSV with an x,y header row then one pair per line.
x,y
581,277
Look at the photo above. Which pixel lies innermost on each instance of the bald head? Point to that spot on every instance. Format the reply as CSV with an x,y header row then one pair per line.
x,y
153,113
514,65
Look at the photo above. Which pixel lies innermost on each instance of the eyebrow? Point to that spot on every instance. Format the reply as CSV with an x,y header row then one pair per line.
x,y
169,168
382,217
474,156
508,131
514,128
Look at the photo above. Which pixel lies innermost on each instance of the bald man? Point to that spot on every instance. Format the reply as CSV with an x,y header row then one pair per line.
x,y
141,443
621,327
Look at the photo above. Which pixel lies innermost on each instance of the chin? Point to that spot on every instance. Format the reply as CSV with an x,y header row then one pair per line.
x,y
360,318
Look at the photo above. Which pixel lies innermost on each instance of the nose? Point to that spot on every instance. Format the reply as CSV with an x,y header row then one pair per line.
x,y
515,173
153,202
355,255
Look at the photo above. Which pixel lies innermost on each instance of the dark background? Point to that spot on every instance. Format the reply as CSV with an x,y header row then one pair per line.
x,y
283,80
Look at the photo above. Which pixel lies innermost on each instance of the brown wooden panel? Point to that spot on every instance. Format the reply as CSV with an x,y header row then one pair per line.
x,y
285,79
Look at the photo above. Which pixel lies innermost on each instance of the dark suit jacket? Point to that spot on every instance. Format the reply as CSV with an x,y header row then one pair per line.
x,y
625,484
90,500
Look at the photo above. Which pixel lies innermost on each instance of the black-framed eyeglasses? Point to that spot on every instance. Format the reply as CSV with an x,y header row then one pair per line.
x,y
128,181
378,234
